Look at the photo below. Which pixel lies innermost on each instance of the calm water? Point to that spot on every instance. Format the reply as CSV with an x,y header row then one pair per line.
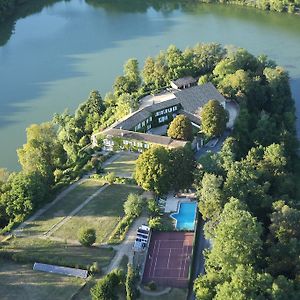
x,y
56,56
186,216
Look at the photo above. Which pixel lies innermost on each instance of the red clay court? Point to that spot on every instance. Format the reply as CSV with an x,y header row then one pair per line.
x,y
169,258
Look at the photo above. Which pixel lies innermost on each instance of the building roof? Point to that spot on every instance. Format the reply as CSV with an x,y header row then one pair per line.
x,y
194,98
193,118
142,114
184,81
132,120
145,137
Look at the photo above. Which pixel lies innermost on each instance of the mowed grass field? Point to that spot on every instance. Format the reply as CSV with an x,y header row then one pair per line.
x,y
32,249
124,165
103,213
63,208
20,282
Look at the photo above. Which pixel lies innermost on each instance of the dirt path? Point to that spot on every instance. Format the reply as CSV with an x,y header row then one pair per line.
x,y
125,248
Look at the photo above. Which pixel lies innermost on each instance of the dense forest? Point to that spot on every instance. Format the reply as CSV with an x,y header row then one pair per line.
x,y
291,6
17,8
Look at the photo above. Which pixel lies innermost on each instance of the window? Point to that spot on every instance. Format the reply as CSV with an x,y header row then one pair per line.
x,y
162,119
150,119
143,123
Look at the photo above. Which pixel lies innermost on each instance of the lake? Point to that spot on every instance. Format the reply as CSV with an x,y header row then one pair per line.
x,y
57,55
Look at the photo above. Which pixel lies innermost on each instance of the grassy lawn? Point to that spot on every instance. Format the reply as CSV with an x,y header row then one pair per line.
x,y
62,209
30,249
19,282
124,165
175,294
103,213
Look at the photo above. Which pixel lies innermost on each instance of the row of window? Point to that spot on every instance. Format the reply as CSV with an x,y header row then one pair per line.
x,y
135,144
165,111
110,143
140,125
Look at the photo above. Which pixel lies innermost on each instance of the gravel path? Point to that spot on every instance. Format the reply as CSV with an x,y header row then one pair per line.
x,y
125,248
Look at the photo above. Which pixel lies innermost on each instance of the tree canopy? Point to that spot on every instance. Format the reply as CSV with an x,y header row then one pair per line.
x,y
213,118
181,128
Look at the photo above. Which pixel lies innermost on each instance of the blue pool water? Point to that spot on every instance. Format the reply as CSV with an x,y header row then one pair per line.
x,y
186,215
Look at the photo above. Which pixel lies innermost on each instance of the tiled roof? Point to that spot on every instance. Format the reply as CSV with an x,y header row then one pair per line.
x,y
144,137
184,81
133,119
194,98
191,117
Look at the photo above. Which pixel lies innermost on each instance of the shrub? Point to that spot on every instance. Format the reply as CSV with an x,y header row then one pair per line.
x,y
133,205
155,223
153,208
94,268
120,231
87,236
130,284
110,177
152,285
105,287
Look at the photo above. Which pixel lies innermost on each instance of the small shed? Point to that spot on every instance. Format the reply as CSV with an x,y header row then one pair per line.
x,y
183,83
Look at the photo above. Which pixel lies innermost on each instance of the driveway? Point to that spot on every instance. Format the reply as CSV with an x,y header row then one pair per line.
x,y
215,149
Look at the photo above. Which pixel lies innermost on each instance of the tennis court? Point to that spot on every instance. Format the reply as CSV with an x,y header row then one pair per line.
x,y
169,258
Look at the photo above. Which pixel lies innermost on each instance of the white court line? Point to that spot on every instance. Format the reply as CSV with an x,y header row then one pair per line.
x,y
184,266
156,259
152,258
180,265
169,258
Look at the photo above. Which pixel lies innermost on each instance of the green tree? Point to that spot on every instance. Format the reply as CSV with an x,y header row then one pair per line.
x,y
284,240
105,288
213,118
88,114
206,57
182,166
236,86
43,152
237,239
148,72
87,236
211,198
152,170
110,177
22,193
133,205
181,129
130,283
132,73
177,66
130,81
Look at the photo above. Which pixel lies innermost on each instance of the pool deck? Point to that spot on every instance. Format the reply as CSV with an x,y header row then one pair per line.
x,y
172,203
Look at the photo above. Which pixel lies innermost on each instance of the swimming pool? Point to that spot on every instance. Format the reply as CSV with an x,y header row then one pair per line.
x,y
186,215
